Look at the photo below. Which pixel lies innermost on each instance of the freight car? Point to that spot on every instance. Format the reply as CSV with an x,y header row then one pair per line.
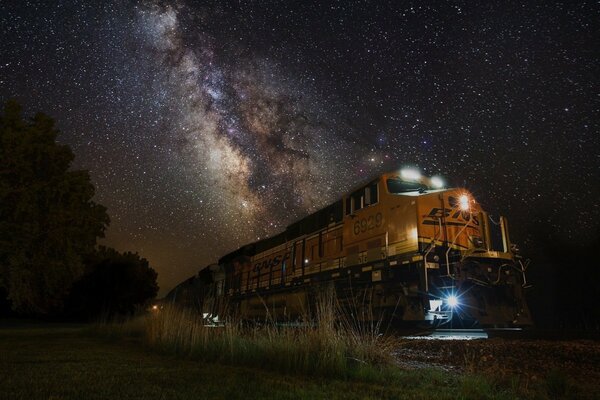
x,y
401,247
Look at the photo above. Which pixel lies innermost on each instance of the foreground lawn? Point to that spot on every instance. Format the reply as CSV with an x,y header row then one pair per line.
x,y
58,362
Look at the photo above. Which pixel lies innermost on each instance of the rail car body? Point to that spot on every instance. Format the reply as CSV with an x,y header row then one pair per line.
x,y
402,247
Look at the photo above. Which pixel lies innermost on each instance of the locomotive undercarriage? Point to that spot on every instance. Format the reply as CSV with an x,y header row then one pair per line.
x,y
488,291
484,288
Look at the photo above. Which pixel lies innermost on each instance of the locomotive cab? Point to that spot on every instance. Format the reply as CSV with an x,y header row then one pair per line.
x,y
471,271
433,253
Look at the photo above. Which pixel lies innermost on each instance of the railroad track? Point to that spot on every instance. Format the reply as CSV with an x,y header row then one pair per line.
x,y
459,334
467,334
447,334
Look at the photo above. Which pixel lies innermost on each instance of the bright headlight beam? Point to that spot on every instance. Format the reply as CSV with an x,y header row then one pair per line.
x,y
410,174
463,201
452,301
437,182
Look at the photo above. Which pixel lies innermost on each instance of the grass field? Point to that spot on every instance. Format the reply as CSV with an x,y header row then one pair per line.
x,y
67,362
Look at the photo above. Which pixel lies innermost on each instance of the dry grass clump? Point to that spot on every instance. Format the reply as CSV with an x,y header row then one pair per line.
x,y
332,344
132,327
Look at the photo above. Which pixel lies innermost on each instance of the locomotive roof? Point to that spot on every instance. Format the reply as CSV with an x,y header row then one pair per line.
x,y
320,219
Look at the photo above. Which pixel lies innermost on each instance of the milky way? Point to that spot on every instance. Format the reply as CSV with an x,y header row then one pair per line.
x,y
246,133
208,126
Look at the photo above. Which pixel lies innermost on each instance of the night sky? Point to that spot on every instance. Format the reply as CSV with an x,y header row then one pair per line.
x,y
207,125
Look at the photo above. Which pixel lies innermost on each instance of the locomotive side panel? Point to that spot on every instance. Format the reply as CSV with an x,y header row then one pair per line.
x,y
378,224
332,241
402,226
268,266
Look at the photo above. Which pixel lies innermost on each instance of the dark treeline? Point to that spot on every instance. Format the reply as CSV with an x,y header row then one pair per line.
x,y
114,284
50,265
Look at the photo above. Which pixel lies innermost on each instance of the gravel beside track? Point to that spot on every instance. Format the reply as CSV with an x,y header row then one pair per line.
x,y
529,360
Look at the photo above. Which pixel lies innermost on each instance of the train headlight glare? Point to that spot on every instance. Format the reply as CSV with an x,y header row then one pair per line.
x,y
452,301
437,182
463,201
410,174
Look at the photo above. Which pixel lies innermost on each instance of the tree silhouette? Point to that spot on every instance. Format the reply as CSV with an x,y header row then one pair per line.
x,y
114,284
48,220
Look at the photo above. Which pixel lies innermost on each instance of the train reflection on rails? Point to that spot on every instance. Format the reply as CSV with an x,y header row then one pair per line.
x,y
403,247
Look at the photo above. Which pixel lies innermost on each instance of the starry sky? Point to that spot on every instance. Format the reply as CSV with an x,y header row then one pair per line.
x,y
207,125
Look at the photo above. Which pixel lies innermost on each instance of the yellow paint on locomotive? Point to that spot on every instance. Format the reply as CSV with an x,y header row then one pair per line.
x,y
441,219
376,225
376,231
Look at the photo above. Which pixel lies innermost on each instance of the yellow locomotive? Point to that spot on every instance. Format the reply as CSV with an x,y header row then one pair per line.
x,y
402,246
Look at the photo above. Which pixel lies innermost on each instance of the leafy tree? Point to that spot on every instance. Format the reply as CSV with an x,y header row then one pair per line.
x,y
48,220
115,284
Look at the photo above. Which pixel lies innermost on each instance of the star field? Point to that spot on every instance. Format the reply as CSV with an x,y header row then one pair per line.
x,y
208,126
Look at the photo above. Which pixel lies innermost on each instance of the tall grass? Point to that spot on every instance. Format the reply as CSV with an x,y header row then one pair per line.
x,y
332,344
335,342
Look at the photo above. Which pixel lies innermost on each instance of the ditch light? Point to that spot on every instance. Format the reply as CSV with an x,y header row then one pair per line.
x,y
452,301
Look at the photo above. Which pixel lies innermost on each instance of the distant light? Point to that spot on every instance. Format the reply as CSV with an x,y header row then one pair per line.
x,y
410,174
464,202
155,307
452,301
306,261
437,182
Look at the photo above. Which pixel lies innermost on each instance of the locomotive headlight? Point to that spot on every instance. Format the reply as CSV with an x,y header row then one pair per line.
x,y
437,182
463,202
410,174
452,301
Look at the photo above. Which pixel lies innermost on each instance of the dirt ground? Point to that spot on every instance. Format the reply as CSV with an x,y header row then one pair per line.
x,y
573,363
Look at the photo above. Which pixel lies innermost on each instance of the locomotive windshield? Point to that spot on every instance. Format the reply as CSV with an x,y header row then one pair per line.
x,y
396,186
